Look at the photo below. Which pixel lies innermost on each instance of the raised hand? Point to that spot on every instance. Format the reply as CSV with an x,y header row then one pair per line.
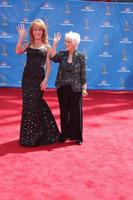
x,y
57,37
21,30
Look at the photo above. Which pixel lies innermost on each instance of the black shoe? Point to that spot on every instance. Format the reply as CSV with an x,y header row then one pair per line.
x,y
63,139
79,142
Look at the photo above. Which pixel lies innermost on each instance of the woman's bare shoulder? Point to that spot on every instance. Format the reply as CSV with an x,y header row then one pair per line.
x,y
48,46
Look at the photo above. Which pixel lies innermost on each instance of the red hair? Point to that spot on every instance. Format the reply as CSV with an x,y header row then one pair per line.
x,y
40,24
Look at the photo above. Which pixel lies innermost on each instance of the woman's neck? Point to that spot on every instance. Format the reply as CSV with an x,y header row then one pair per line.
x,y
70,56
71,51
37,43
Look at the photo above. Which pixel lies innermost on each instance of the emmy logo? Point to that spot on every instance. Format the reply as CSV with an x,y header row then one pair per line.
x,y
5,2
26,5
67,8
103,82
106,39
126,26
108,10
46,21
25,20
104,70
46,4
123,69
86,26
124,55
86,37
125,39
122,83
4,50
106,23
85,53
4,20
105,53
66,21
127,9
4,34
2,79
87,7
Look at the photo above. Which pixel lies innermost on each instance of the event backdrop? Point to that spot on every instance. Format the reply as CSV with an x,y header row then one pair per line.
x,y
106,31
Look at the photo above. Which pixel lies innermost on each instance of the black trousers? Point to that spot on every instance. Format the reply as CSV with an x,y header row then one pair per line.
x,y
71,116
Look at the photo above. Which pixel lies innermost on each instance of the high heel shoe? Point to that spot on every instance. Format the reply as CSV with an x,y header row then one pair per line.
x,y
63,139
79,142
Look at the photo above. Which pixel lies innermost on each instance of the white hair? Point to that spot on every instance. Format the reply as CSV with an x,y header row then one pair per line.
x,y
74,37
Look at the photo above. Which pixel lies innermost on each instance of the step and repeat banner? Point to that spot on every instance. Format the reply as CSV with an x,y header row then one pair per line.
x,y
106,31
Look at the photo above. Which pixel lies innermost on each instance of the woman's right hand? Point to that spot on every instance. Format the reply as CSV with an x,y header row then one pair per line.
x,y
21,30
57,37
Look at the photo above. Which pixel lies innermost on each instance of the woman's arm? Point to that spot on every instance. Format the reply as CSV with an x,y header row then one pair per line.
x,y
20,48
47,69
83,76
56,39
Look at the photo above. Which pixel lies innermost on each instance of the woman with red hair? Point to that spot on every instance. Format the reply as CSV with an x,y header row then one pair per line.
x,y
38,126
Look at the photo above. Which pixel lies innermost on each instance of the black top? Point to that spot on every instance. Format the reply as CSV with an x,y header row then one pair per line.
x,y
74,73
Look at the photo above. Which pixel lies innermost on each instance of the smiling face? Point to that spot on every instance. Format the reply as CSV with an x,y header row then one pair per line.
x,y
72,40
69,45
38,31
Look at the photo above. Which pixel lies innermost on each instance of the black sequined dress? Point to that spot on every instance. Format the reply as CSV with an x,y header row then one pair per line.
x,y
38,126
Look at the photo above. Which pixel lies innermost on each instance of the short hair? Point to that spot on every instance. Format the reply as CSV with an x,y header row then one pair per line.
x,y
74,37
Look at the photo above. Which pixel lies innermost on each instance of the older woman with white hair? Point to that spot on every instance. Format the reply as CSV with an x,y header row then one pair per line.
x,y
71,86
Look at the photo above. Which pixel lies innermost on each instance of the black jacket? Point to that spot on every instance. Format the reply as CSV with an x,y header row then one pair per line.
x,y
74,73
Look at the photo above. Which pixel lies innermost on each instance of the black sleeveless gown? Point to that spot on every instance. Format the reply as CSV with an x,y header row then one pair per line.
x,y
38,126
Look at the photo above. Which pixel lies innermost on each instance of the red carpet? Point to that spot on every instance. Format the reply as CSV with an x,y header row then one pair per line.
x,y
100,169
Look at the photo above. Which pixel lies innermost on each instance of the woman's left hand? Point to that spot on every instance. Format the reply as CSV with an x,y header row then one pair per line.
x,y
84,92
43,85
57,37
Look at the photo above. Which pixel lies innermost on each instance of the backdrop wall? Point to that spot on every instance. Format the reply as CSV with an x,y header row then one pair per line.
x,y
106,38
